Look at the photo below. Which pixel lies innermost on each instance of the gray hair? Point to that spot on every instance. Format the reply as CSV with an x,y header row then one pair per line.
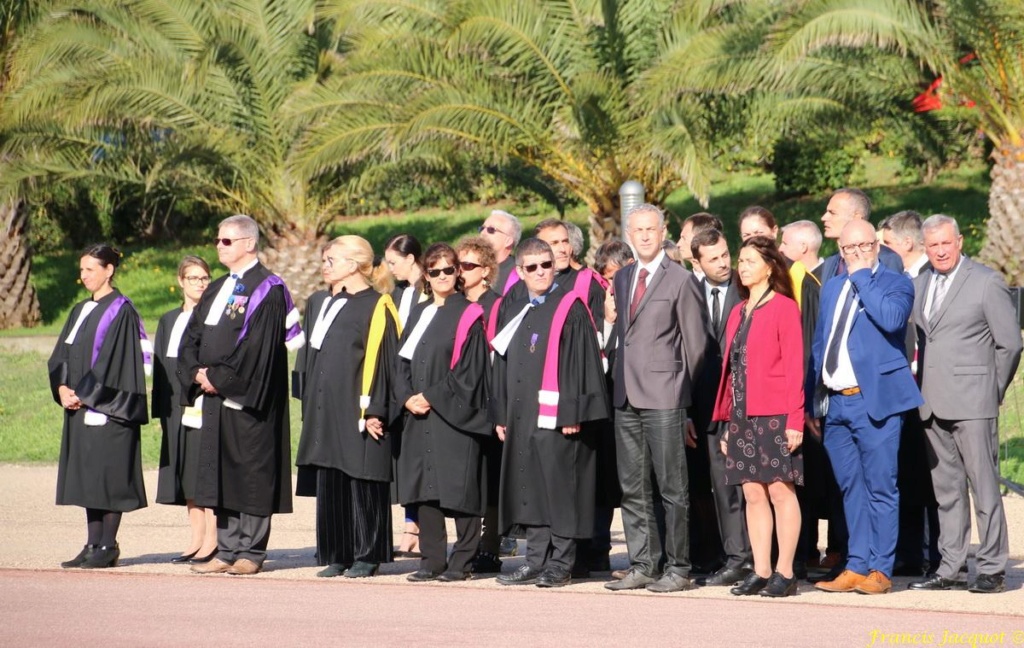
x,y
861,202
935,221
575,239
532,246
905,224
646,207
810,230
515,227
245,225
612,251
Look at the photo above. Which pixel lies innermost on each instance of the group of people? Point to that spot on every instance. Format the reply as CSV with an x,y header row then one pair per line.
x,y
502,383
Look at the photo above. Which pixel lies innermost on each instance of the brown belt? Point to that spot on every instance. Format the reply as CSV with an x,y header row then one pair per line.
x,y
850,391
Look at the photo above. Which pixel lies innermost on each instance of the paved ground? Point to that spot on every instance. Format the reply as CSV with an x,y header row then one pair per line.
x,y
147,601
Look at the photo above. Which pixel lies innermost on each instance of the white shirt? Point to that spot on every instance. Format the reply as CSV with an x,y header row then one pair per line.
x,y
915,269
844,377
722,289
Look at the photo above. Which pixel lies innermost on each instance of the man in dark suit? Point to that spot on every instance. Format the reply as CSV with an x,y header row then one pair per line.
x,y
969,346
660,337
858,358
719,290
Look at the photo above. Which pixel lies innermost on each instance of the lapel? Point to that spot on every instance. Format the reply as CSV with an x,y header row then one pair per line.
x,y
829,268
959,280
651,287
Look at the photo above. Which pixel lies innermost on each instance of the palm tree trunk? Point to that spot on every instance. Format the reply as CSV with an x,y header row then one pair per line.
x,y
1006,213
294,255
19,304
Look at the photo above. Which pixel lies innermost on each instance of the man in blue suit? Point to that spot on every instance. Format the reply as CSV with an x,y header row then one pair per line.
x,y
858,359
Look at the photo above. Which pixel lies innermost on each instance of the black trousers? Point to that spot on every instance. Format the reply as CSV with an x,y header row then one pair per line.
x,y
434,539
732,523
242,535
545,549
353,519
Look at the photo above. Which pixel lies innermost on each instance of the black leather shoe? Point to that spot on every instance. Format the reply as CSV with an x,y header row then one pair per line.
x,y
725,576
830,575
508,547
200,560
705,569
671,582
454,577
360,569
523,575
554,577
634,579
907,569
779,586
486,563
938,583
103,558
751,585
988,583
83,555
332,570
422,576
184,558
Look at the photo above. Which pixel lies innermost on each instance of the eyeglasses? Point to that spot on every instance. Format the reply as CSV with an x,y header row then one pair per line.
x,y
228,242
469,266
866,246
197,281
490,230
436,272
533,266
330,261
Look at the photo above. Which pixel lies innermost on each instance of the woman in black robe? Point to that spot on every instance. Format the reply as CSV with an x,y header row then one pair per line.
x,y
179,447
478,269
97,376
403,256
441,367
344,455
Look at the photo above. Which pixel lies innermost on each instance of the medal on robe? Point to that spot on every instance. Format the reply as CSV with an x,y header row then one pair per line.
x,y
533,342
236,305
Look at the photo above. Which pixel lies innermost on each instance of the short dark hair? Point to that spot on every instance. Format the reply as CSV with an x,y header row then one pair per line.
x,y
532,245
860,199
703,221
703,239
104,253
757,211
548,223
779,279
192,261
406,244
612,251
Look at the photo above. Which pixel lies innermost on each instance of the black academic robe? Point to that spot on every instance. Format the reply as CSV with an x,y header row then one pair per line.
x,y
505,269
329,380
547,478
245,455
441,458
167,399
100,466
566,280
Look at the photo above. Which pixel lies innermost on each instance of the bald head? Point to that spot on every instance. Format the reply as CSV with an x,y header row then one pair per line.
x,y
858,243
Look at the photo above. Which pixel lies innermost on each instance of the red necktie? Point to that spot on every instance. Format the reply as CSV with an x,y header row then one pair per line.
x,y
638,292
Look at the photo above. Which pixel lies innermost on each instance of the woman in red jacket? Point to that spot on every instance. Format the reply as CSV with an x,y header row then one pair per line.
x,y
761,396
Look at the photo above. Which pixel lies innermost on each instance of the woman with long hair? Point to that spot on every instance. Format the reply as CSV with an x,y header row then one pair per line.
x,y
761,396
97,374
343,376
181,426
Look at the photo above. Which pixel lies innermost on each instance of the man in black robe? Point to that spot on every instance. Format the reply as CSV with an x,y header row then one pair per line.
x,y
503,231
546,339
235,354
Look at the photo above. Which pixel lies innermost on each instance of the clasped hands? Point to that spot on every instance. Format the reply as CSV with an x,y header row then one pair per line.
x,y
68,398
204,382
417,404
567,430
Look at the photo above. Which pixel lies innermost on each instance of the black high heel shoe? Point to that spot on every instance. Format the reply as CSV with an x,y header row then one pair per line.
x,y
83,555
184,558
203,559
103,558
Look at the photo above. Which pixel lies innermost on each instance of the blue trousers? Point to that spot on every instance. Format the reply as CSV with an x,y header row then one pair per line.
x,y
863,453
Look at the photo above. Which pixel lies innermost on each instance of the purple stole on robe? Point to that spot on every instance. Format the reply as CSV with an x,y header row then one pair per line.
x,y
104,327
294,338
474,313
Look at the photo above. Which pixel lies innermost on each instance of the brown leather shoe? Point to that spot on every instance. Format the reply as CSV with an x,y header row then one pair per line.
x,y
875,583
830,560
619,574
215,566
846,582
244,567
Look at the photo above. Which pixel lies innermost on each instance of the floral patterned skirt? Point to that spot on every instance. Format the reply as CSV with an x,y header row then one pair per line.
x,y
757,452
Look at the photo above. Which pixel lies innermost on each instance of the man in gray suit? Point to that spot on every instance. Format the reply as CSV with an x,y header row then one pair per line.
x,y
660,336
969,345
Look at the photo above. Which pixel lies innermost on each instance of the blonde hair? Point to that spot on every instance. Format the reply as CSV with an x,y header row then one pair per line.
x,y
358,249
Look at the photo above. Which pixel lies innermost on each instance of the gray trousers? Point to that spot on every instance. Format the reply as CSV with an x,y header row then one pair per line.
x,y
729,505
241,535
965,454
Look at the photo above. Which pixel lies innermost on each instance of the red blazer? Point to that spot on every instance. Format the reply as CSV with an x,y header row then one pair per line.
x,y
775,368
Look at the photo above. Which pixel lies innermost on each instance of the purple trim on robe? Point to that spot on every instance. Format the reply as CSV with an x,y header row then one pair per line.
x,y
513,278
472,314
257,297
104,327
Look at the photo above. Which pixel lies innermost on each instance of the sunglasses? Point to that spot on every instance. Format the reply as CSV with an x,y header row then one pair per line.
x,y
489,229
228,242
533,266
436,272
469,266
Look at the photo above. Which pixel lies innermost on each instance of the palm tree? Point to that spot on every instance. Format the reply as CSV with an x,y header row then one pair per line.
x,y
570,88
19,303
194,95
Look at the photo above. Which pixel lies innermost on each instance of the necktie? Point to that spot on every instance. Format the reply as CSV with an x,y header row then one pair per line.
x,y
832,354
716,310
841,266
938,295
638,292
